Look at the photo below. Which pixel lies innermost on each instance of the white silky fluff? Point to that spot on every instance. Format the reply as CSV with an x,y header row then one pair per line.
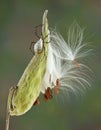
x,y
60,63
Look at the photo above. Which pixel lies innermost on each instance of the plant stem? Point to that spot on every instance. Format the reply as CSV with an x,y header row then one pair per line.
x,y
7,120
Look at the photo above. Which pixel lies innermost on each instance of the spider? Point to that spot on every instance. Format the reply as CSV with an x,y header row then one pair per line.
x,y
38,47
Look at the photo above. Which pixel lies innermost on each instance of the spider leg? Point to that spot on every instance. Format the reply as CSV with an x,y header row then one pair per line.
x,y
36,30
46,37
32,47
40,25
43,38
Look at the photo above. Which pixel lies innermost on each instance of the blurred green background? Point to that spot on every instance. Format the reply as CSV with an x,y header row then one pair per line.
x,y
17,21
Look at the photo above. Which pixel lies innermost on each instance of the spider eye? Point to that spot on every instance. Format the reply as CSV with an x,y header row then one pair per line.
x,y
38,46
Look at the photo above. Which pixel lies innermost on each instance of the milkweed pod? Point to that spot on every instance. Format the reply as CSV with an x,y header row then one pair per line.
x,y
22,97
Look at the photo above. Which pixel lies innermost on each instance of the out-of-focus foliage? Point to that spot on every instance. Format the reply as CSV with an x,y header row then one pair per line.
x,y
17,22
